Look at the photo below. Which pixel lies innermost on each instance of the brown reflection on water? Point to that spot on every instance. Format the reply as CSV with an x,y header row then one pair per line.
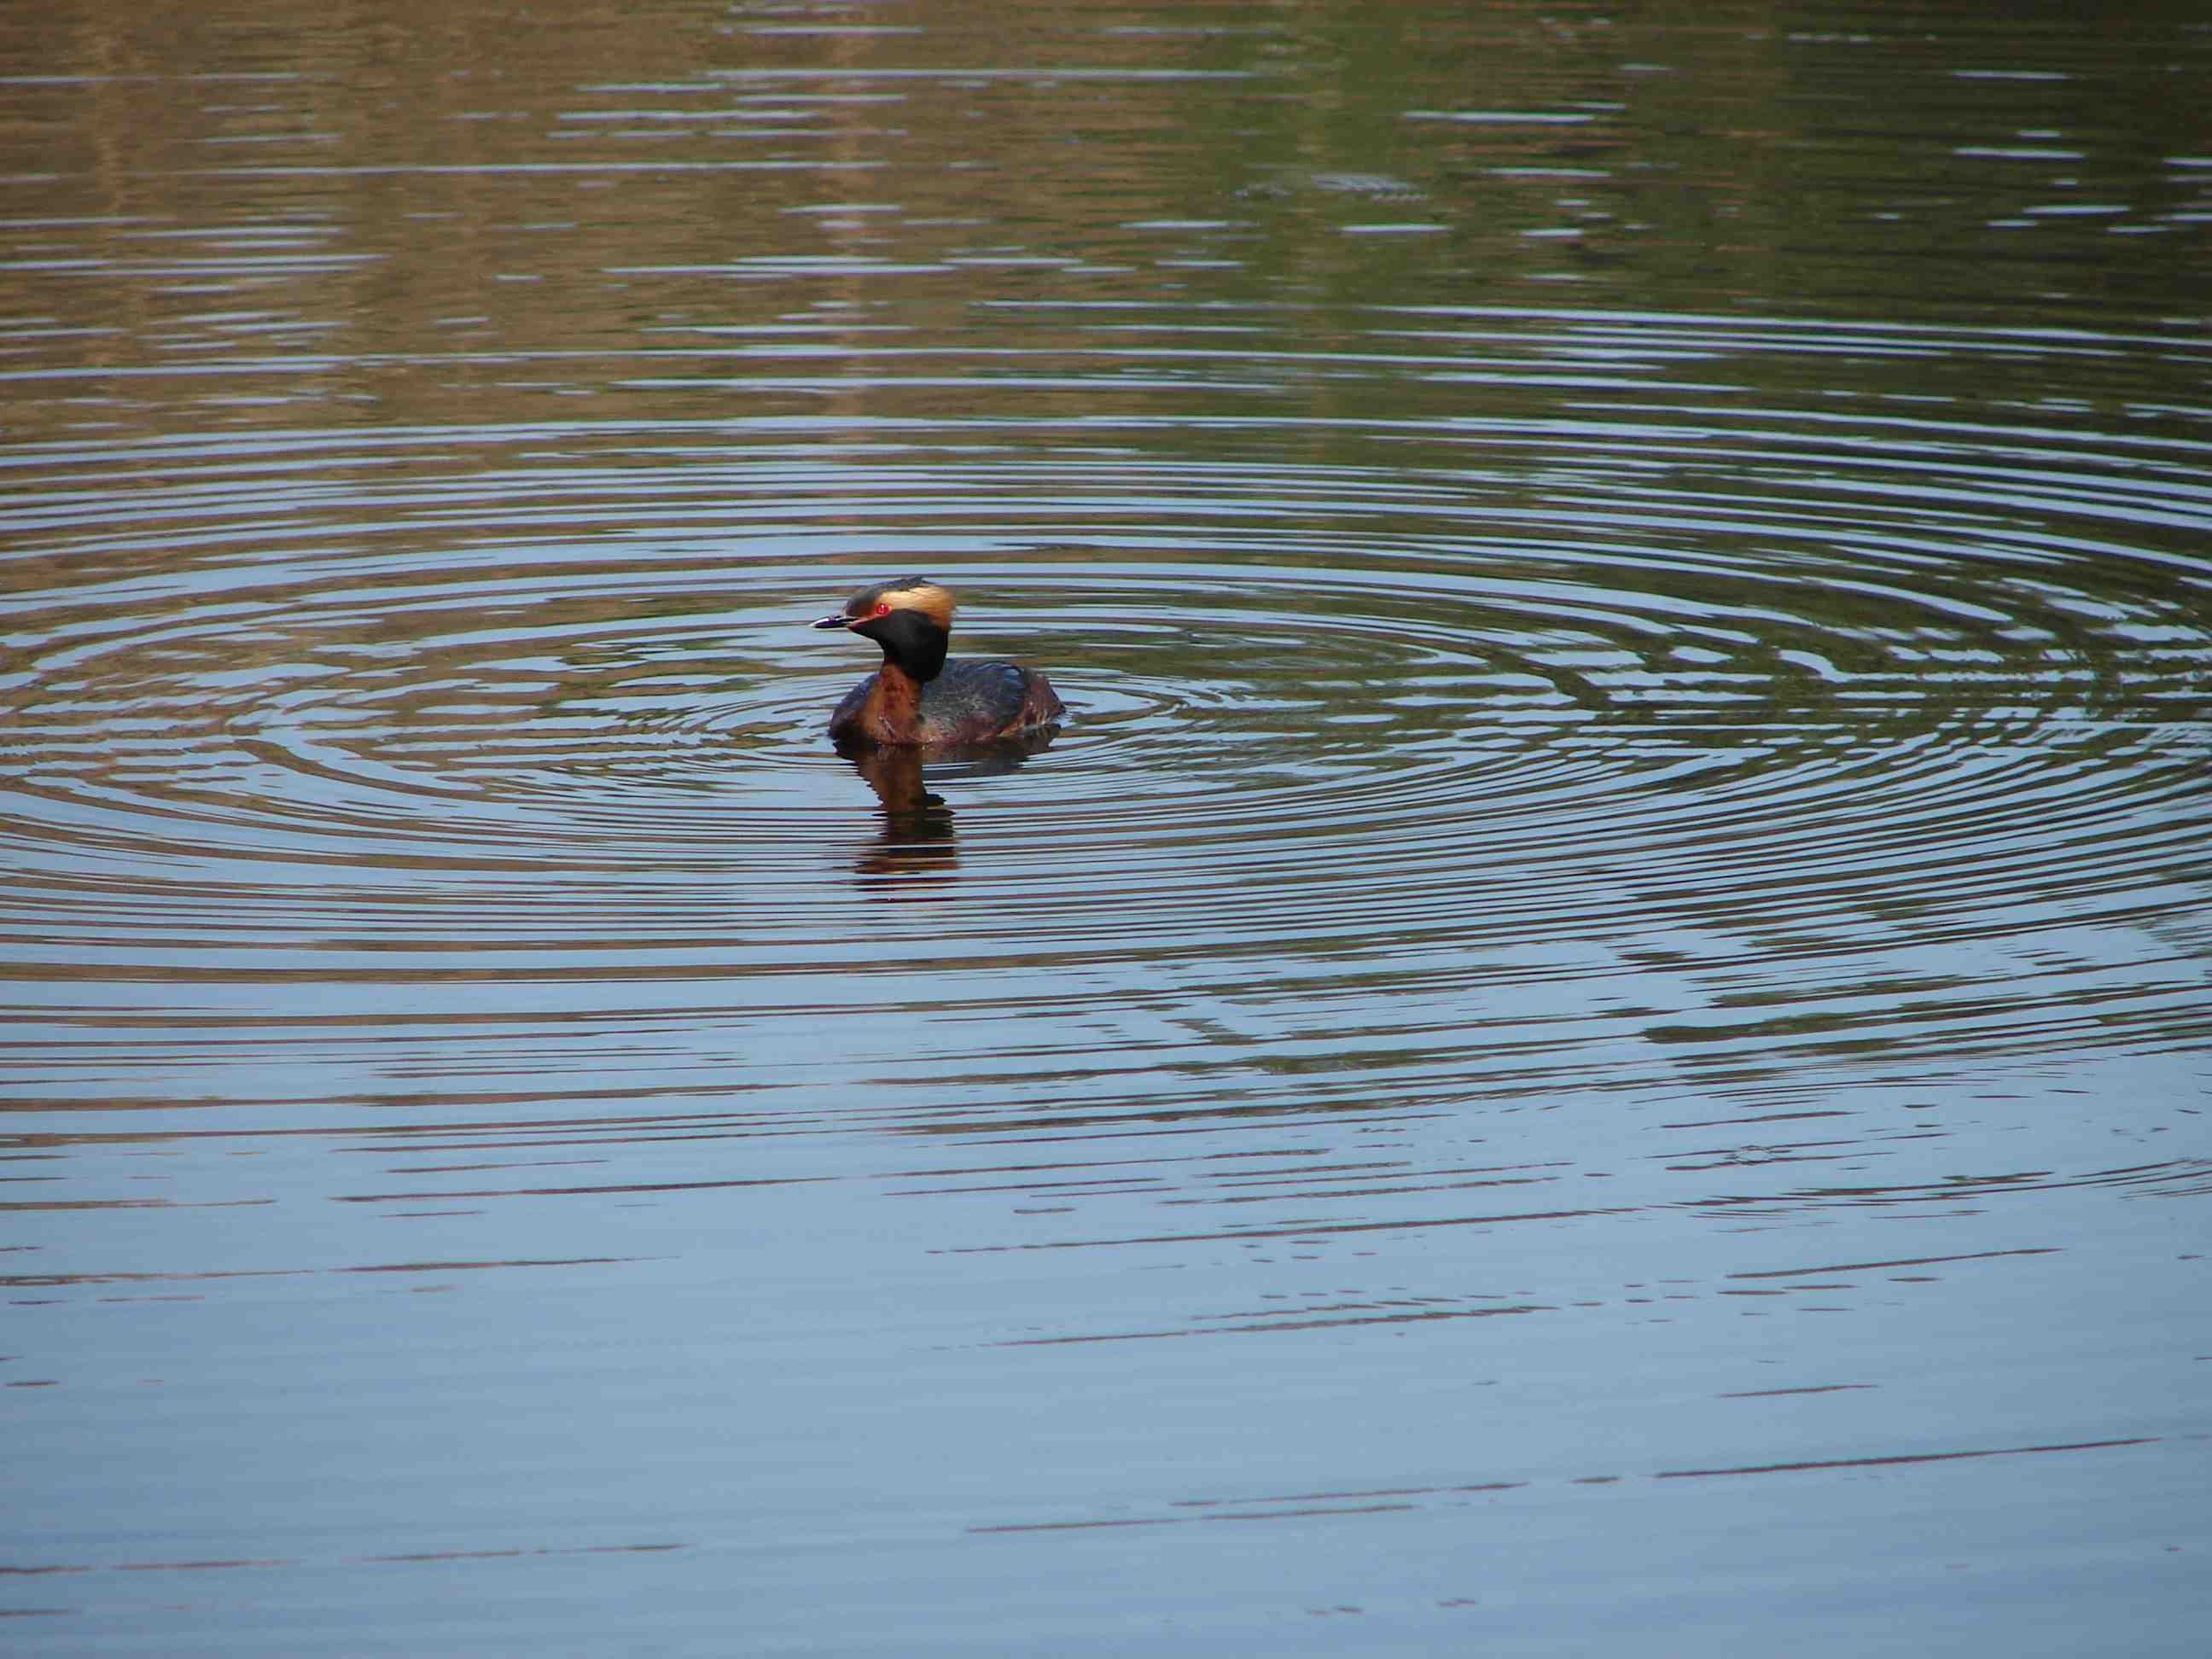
x,y
1358,1501
1311,1317
916,843
244,209
397,1559
33,1281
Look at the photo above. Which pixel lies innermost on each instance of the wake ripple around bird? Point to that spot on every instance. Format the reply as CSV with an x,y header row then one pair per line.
x,y
1692,688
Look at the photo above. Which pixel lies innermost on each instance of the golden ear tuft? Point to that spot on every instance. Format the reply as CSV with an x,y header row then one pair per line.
x,y
920,593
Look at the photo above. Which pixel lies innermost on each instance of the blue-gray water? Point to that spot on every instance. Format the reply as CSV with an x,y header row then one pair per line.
x,y
1596,1039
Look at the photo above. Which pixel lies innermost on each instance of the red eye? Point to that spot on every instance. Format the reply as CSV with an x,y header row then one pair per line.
x,y
883,610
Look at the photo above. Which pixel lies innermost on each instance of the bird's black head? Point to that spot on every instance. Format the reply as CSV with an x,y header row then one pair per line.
x,y
911,618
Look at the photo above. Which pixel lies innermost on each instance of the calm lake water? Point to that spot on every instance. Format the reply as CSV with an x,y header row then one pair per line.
x,y
1595,1039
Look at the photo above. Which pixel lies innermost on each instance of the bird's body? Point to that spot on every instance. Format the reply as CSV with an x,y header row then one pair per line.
x,y
968,702
919,698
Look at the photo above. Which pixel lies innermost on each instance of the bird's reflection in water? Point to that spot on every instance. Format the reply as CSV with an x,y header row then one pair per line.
x,y
917,842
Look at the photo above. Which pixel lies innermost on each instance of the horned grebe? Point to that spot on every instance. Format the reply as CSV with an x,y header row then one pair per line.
x,y
918,697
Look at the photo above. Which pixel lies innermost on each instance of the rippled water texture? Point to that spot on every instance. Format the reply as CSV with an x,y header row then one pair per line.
x,y
1598,1022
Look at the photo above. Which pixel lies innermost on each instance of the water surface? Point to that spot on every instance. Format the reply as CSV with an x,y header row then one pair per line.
x,y
1599,1021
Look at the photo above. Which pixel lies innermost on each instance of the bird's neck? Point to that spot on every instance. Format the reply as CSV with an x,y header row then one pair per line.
x,y
915,647
894,711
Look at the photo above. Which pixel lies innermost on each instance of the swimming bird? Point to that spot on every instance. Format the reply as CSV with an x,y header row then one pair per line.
x,y
919,698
